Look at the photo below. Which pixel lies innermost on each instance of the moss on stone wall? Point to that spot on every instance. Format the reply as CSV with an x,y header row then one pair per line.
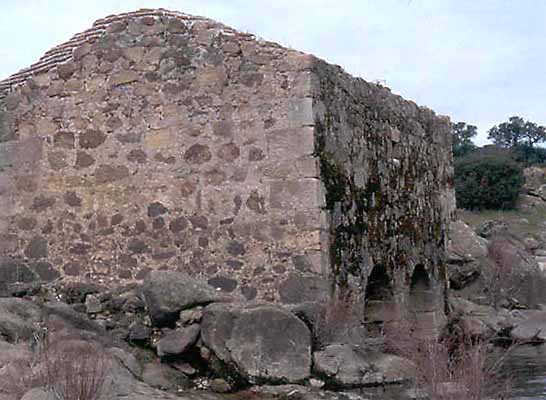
x,y
382,161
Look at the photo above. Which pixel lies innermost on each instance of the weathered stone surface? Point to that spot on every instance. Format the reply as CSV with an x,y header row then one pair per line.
x,y
535,177
308,168
264,343
351,366
163,377
42,203
139,332
91,139
123,77
18,319
15,271
45,271
178,224
466,253
311,313
346,365
83,160
178,342
480,321
229,152
167,293
490,228
298,289
62,316
531,328
156,209
38,394
109,173
37,248
71,198
64,140
198,154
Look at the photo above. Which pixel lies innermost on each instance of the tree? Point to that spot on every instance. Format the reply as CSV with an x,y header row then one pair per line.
x,y
517,132
462,138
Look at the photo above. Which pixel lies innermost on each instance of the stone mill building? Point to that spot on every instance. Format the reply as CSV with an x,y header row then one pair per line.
x,y
159,140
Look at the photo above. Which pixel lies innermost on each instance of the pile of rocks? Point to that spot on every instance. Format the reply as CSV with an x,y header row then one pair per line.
x,y
175,335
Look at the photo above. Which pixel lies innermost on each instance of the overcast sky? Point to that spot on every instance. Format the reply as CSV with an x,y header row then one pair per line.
x,y
478,61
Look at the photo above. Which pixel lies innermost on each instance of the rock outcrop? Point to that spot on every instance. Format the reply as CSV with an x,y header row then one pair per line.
x,y
263,343
167,293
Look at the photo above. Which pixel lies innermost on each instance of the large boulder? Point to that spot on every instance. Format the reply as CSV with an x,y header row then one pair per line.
x,y
346,365
162,376
531,327
18,319
492,228
38,394
263,343
61,316
532,203
466,252
535,177
15,361
480,320
166,293
178,341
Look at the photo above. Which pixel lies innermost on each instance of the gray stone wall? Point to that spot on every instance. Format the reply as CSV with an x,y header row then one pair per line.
x,y
158,140
165,142
386,168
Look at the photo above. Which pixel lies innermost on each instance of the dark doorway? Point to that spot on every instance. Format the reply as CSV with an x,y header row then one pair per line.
x,y
379,301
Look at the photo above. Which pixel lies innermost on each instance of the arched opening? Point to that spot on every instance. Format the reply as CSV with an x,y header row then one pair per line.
x,y
422,304
420,296
379,301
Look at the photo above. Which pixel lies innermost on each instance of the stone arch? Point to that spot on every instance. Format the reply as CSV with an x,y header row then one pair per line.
x,y
421,294
423,306
379,304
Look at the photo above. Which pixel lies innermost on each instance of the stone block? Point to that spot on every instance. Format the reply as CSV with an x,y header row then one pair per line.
x,y
290,144
298,288
8,243
134,54
160,139
305,167
123,78
16,154
211,76
294,194
7,131
300,112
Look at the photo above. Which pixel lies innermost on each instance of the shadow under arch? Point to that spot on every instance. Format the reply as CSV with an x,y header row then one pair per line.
x,y
423,310
379,304
421,294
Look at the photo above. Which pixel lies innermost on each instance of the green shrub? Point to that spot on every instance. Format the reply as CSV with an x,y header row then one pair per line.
x,y
528,155
487,182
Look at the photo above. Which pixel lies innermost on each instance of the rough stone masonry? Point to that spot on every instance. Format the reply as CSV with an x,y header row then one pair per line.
x,y
159,140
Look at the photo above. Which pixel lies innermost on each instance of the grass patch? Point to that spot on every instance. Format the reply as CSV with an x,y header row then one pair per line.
x,y
523,222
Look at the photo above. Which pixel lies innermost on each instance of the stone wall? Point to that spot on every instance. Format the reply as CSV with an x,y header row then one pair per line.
x,y
166,142
386,168
158,140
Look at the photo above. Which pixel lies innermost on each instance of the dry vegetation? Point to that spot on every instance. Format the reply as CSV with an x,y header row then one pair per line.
x,y
73,370
68,369
452,367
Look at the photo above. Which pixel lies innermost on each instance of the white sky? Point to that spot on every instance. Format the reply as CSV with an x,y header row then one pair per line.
x,y
478,61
